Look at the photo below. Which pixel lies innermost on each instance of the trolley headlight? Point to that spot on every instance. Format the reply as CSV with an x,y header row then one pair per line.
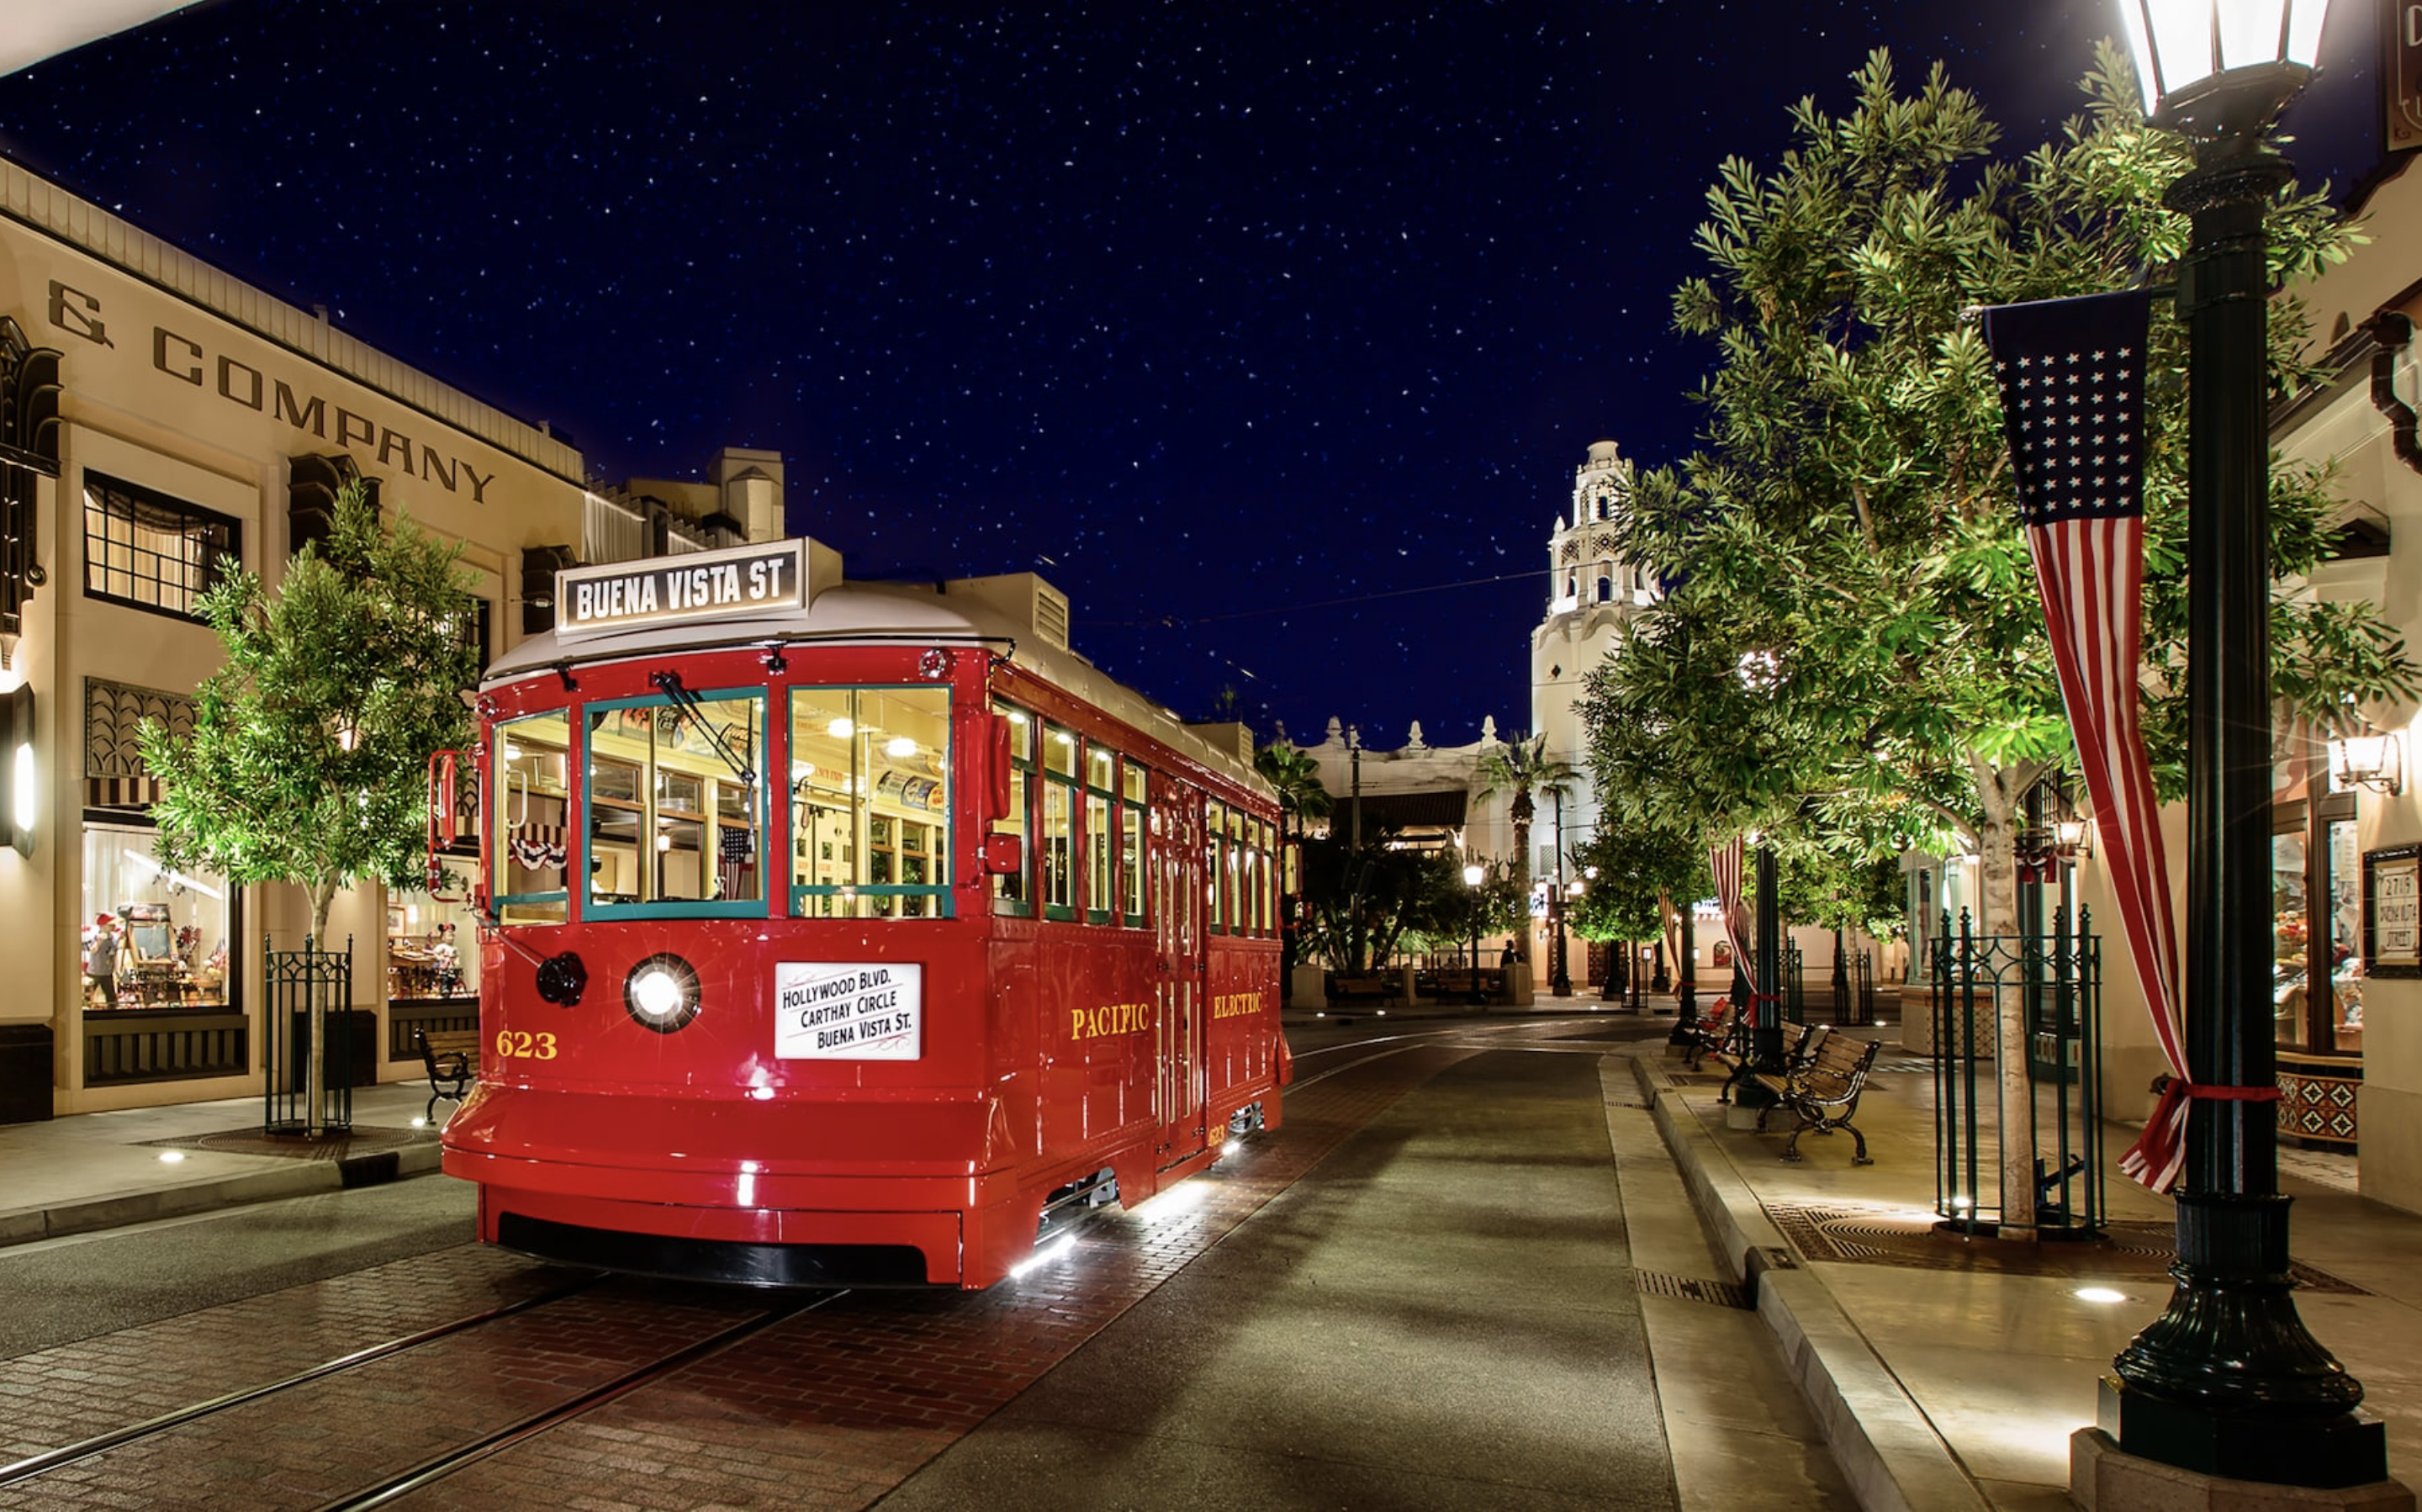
x,y
661,993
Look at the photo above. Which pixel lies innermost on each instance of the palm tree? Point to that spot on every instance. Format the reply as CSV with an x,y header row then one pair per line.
x,y
1302,797
1523,769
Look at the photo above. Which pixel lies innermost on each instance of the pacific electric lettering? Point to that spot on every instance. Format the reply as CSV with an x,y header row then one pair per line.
x,y
1110,1019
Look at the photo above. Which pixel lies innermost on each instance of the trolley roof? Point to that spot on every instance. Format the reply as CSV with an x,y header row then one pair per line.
x,y
1010,614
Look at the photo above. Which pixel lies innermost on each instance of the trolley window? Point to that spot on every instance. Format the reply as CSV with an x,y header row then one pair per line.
x,y
676,809
1011,894
1101,807
1135,786
528,868
1270,878
871,802
1215,853
1059,822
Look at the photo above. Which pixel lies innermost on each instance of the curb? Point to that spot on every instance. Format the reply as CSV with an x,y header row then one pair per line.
x,y
291,1178
1886,1449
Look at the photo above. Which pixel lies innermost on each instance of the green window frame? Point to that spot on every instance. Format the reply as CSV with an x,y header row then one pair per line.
x,y
1057,833
1135,786
1012,893
531,833
870,799
1215,859
1101,838
666,803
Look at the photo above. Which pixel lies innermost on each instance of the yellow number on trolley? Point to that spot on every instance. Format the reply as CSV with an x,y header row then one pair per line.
x,y
520,1044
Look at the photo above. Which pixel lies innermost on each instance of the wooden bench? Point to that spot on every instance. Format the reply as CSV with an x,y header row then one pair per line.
x,y
1344,991
1452,985
1714,1032
452,1056
1823,1091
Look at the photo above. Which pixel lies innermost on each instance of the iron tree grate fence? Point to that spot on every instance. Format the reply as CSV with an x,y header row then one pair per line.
x,y
2055,980
304,1093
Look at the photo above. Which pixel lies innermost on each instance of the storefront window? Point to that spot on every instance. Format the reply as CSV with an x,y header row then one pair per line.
x,y
2290,952
2346,936
431,948
152,937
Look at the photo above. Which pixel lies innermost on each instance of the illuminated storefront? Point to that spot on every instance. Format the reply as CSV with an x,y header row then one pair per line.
x,y
157,420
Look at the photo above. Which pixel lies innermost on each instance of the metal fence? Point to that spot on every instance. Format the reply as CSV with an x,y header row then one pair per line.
x,y
309,989
2055,980
1850,997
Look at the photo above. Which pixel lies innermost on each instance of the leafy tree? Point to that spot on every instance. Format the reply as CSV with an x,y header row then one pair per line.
x,y
1643,874
1523,769
311,747
1302,797
1851,640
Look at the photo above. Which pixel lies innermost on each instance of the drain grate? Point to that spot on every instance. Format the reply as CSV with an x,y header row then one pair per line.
x,y
1901,1237
1690,1288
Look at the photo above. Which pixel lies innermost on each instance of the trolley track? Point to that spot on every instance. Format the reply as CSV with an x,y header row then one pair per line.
x,y
437,1467
914,1364
34,1466
244,1447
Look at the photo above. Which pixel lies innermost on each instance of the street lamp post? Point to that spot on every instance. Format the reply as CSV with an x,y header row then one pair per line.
x,y
2227,1381
1473,875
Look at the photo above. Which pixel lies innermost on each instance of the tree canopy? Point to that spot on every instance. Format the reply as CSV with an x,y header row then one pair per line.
x,y
1850,651
309,752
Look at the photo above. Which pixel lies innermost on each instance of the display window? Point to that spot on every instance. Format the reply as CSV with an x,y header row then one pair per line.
x,y
153,937
431,948
871,802
2317,925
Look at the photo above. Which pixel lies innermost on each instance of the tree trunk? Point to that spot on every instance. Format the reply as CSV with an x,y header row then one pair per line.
x,y
1522,886
1997,852
322,894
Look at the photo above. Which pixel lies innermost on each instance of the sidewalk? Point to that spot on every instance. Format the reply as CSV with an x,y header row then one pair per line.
x,y
1949,1372
99,1171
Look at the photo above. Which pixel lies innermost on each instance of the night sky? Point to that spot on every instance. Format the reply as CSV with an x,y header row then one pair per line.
x,y
1270,333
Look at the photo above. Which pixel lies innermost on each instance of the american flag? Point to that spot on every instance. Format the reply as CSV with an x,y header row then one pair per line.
x,y
2073,381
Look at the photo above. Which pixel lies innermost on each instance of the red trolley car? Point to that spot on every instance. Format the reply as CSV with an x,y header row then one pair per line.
x,y
844,933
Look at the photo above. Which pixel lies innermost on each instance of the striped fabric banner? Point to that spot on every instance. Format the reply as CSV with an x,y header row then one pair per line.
x,y
2073,381
1727,861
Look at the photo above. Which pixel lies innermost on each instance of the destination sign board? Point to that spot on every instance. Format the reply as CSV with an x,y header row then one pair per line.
x,y
741,582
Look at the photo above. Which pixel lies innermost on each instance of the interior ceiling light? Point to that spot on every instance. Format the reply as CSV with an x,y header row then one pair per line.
x,y
842,729
900,746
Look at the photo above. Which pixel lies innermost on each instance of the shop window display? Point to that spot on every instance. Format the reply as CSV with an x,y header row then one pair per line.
x,y
152,937
430,948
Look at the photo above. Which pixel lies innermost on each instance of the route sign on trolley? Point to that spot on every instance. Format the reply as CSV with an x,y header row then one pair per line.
x,y
662,591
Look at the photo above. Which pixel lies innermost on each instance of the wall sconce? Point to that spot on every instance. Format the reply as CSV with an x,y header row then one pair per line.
x,y
22,810
2373,759
2074,835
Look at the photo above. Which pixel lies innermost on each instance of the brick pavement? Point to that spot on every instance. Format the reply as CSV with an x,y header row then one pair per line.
x,y
836,1406
62,1396
831,1409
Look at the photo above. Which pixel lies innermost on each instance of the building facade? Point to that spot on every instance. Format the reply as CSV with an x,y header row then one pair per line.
x,y
162,416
